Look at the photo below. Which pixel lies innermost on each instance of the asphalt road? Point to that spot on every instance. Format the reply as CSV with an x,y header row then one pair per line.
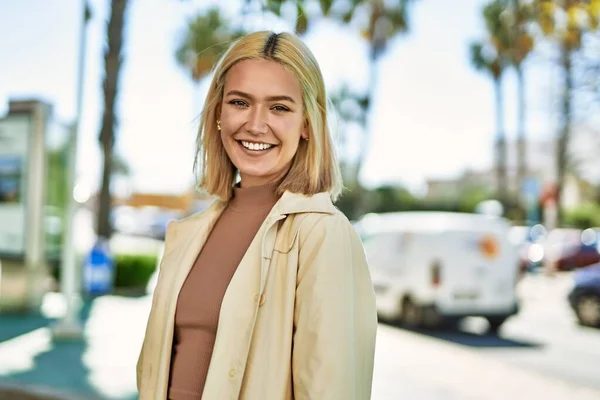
x,y
540,353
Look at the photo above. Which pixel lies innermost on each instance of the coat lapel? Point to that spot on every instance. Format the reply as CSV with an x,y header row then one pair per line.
x,y
189,237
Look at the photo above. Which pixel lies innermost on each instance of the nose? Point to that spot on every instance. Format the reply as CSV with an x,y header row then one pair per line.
x,y
257,123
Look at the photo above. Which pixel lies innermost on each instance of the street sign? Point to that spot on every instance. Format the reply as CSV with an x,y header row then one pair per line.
x,y
14,144
98,270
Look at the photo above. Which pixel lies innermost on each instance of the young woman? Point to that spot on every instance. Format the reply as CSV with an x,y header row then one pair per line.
x,y
266,295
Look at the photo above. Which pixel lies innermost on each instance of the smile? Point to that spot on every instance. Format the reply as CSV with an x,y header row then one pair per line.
x,y
256,146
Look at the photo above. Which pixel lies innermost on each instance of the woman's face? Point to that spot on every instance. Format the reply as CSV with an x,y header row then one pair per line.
x,y
262,120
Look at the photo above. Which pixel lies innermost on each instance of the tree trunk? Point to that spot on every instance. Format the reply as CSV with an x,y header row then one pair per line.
x,y
373,58
112,67
501,181
521,136
361,202
565,130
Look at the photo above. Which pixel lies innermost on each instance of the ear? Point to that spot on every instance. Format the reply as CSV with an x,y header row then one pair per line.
x,y
218,111
304,133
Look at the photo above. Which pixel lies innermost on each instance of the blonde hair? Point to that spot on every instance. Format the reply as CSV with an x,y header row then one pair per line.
x,y
314,168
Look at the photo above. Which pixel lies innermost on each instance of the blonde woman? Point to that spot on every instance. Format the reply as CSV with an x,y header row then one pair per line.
x,y
266,295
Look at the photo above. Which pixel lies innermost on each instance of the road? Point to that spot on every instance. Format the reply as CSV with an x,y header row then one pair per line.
x,y
540,353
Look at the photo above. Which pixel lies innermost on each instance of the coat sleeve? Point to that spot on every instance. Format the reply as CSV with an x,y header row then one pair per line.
x,y
335,319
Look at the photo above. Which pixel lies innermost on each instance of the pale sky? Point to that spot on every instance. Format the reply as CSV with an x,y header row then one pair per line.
x,y
433,114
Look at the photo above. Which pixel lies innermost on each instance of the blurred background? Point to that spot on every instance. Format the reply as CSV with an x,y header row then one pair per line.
x,y
468,133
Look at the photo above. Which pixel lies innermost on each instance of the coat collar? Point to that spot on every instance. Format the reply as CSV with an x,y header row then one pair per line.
x,y
289,203
294,203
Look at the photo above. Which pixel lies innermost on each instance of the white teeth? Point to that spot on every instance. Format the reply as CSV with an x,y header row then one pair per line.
x,y
256,146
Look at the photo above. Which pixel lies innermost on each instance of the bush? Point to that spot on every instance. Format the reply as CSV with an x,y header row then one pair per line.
x,y
133,270
584,216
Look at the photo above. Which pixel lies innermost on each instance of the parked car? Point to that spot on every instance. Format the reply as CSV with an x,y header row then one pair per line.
x,y
429,267
585,295
569,249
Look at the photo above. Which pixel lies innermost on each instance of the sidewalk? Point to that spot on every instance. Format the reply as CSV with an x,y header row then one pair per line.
x,y
100,366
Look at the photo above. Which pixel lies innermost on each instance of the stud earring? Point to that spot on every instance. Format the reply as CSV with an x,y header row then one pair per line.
x,y
218,125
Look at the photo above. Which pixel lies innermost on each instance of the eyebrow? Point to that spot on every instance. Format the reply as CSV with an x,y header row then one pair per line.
x,y
250,97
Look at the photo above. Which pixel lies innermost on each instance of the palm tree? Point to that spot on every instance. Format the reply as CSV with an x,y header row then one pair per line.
x,y
582,16
486,57
206,37
519,47
492,56
112,68
386,20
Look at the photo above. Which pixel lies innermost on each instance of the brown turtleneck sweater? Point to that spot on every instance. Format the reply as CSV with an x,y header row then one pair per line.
x,y
199,301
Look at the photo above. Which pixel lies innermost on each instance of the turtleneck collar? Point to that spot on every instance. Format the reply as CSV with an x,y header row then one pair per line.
x,y
255,197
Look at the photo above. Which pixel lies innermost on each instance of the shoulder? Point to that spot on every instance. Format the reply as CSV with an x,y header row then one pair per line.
x,y
331,226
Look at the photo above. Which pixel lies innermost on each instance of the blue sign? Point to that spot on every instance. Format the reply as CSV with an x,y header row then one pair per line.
x,y
98,270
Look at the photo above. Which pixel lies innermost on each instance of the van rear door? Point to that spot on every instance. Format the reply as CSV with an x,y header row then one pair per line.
x,y
478,271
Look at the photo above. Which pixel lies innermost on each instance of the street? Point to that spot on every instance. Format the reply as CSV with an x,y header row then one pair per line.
x,y
540,352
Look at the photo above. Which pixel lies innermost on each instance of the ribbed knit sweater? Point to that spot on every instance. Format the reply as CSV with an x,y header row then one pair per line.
x,y
200,298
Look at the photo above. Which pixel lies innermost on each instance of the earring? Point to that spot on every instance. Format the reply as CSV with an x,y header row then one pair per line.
x,y
218,125
306,139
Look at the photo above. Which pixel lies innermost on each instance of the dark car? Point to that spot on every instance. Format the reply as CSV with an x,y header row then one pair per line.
x,y
585,295
569,249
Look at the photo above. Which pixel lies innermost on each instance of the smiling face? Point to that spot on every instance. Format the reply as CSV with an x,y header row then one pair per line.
x,y
262,120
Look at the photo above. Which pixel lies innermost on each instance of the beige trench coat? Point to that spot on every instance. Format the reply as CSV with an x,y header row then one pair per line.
x,y
298,319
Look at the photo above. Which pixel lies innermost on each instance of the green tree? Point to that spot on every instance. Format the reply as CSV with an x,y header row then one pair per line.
x,y
57,178
566,22
206,37
112,67
490,56
516,17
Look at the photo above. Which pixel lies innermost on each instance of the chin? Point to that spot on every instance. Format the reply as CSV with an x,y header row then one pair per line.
x,y
264,175
254,173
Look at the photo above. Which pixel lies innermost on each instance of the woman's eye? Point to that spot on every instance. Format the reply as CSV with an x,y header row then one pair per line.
x,y
280,108
238,103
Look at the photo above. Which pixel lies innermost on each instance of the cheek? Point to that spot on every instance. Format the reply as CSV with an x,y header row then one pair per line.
x,y
292,129
231,120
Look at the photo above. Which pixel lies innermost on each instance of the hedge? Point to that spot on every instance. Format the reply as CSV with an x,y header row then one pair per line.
x,y
133,270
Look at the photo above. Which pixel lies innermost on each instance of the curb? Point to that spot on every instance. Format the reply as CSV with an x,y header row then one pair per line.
x,y
32,392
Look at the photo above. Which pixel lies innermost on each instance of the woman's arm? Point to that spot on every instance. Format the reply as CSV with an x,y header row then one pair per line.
x,y
335,319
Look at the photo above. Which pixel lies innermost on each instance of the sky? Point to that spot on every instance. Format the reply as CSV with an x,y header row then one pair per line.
x,y
433,114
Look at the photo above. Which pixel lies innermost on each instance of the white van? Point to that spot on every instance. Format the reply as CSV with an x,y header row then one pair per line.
x,y
428,267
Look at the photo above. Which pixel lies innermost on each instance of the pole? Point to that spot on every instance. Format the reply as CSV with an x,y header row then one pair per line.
x,y
69,326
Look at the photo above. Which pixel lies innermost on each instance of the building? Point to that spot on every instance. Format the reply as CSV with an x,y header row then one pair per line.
x,y
541,166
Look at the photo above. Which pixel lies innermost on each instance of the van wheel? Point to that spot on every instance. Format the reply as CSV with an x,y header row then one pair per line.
x,y
431,317
495,323
588,310
412,315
